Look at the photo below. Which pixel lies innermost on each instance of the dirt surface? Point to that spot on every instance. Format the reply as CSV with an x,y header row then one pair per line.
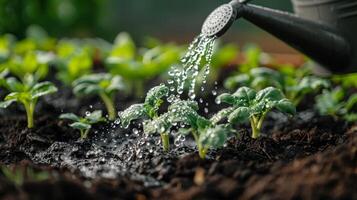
x,y
306,157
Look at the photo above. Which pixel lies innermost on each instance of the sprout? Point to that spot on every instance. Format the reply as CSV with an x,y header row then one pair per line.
x,y
27,95
72,63
103,85
296,84
250,105
205,133
147,110
332,102
84,124
29,65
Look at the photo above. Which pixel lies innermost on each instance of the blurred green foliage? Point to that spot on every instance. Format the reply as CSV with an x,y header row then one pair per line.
x,y
105,18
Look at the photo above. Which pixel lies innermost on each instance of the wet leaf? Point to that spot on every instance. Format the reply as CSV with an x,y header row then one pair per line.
x,y
69,116
239,115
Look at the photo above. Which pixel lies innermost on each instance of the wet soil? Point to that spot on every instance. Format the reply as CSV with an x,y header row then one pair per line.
x,y
305,157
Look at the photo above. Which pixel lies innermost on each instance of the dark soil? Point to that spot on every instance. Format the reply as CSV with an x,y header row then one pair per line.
x,y
306,157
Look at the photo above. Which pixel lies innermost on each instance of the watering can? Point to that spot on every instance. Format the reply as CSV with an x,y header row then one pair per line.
x,y
324,30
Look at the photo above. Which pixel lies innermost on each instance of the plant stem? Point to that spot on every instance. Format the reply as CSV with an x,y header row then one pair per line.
x,y
201,150
255,130
165,139
30,108
108,102
84,133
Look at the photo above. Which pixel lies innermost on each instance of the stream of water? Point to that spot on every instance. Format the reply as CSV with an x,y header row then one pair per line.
x,y
199,54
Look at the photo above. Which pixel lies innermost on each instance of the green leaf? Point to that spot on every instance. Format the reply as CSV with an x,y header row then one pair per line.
x,y
233,82
286,106
134,112
222,114
156,94
351,102
245,96
95,116
70,116
124,47
202,123
116,84
184,131
43,88
226,98
7,103
269,94
158,125
80,126
239,115
215,137
14,85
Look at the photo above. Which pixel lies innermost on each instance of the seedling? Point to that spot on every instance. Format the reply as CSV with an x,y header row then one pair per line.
x,y
250,105
84,124
257,78
102,84
72,63
184,113
332,103
296,84
29,65
19,175
147,110
137,66
26,94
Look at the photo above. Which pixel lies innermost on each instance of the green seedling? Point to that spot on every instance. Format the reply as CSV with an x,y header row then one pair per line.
x,y
84,124
295,83
26,94
257,78
334,103
184,113
104,85
139,65
346,80
148,110
252,55
247,104
19,176
72,63
29,65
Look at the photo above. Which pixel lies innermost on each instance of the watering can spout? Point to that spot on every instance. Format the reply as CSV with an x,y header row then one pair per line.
x,y
322,42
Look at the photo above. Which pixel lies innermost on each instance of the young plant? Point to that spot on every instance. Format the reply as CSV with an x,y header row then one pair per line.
x,y
295,83
29,65
184,113
137,66
247,104
84,124
147,110
72,63
19,175
26,94
102,84
333,103
257,78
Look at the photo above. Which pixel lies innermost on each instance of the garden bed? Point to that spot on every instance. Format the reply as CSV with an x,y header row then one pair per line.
x,y
283,133
305,157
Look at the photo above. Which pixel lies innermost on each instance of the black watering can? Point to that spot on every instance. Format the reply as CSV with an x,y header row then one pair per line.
x,y
324,30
